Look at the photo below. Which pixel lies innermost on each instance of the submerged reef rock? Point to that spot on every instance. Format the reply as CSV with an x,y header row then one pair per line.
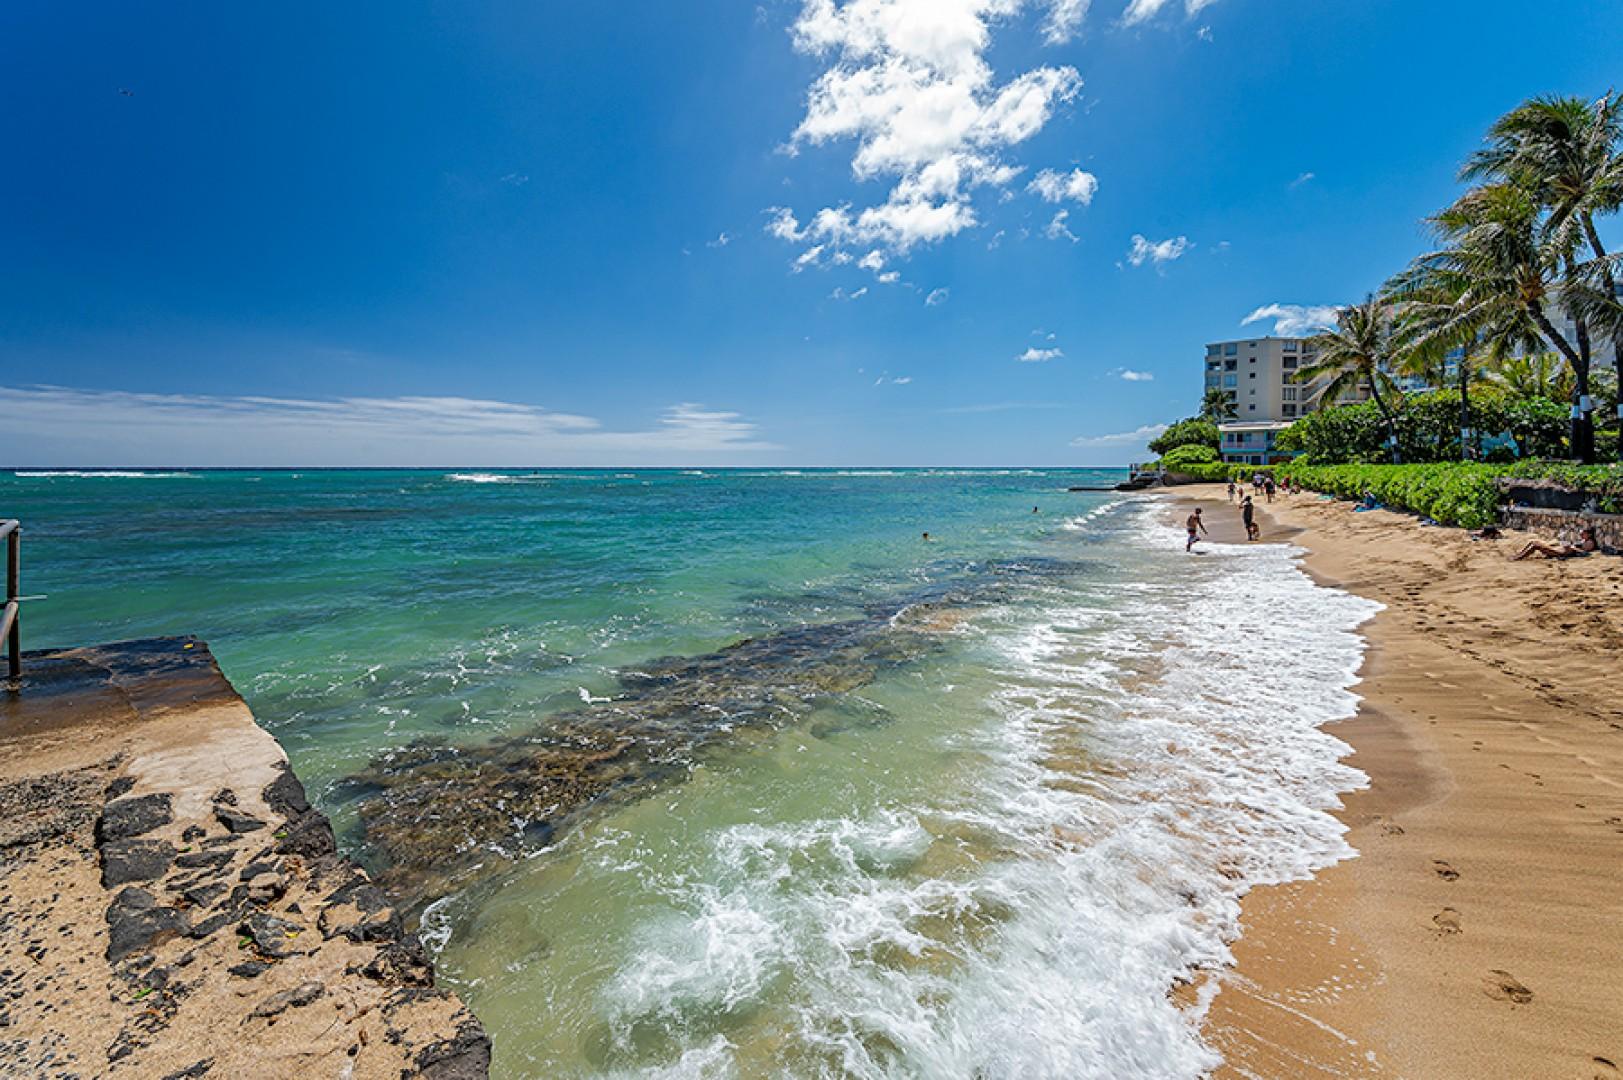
x,y
435,815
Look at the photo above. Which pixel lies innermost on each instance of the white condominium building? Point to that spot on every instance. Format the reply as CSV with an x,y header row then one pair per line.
x,y
1259,378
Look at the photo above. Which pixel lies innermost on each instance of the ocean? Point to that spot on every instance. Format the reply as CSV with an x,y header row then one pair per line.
x,y
721,773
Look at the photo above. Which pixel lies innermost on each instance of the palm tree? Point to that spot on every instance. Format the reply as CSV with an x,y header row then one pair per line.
x,y
1564,152
1540,374
1443,316
1515,270
1216,406
1362,351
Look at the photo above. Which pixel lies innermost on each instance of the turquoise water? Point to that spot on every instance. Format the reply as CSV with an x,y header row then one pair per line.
x,y
958,807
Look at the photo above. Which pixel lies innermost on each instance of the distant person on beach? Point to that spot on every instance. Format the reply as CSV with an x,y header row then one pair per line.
x,y
1586,544
1268,487
1194,523
1232,489
1248,514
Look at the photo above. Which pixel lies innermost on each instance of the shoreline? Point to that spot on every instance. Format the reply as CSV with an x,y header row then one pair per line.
x,y
1476,932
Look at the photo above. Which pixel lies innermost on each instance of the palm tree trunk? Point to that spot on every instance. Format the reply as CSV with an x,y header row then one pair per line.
x,y
1584,449
1611,292
1386,414
1580,370
1465,403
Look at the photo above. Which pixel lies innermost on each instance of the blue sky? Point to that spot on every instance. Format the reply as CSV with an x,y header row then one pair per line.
x,y
548,234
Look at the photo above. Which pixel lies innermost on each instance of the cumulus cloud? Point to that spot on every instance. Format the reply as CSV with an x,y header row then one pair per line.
x,y
1141,11
108,427
1076,185
1295,320
936,297
907,82
1058,227
1121,438
1064,20
1034,355
1129,375
1157,252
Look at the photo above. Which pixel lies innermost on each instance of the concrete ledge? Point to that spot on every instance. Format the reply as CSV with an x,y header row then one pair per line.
x,y
170,904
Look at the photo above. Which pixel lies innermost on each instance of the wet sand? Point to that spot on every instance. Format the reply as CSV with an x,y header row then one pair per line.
x,y
1480,931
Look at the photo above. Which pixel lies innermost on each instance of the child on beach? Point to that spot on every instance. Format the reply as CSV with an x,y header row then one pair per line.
x,y
1193,523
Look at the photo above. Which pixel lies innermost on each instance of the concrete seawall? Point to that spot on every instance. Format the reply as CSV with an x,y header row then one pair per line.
x,y
171,906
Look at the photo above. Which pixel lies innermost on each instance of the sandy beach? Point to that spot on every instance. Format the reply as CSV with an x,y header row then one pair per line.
x,y
1479,933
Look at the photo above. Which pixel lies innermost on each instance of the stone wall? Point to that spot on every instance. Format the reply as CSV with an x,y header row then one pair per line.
x,y
1565,525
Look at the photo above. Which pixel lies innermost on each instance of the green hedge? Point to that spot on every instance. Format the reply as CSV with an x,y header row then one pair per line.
x,y
1454,494
1605,482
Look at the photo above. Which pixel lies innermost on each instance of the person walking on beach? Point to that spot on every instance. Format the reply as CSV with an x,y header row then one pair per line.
x,y
1268,487
1231,490
1248,514
1192,524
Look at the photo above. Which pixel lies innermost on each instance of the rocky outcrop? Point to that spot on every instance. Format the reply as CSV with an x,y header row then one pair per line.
x,y
172,906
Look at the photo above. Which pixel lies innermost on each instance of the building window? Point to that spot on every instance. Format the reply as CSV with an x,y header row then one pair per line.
x,y
1288,363
1230,380
1253,375
1287,410
1231,365
1290,346
1287,393
1231,349
1214,350
1253,408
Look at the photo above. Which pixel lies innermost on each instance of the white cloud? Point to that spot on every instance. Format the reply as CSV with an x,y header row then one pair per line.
x,y
1204,33
721,241
1076,185
1295,320
1306,177
514,179
874,260
907,81
839,293
110,427
808,257
1121,438
1140,11
1058,227
1157,252
1064,19
1034,355
1129,375
899,380
889,277
936,297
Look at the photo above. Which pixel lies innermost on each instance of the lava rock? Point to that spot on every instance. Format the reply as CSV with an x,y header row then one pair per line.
x,y
124,861
296,998
285,795
465,1057
124,818
213,860
269,934
192,1071
136,922
236,821
252,969
264,888
308,835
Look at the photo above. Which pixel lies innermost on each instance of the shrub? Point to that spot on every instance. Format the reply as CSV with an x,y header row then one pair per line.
x,y
1181,458
1428,428
1194,431
1454,494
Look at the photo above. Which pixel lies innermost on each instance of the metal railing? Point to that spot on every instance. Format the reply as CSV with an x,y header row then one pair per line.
x,y
10,625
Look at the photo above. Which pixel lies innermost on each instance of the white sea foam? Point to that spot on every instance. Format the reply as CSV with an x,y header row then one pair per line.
x,y
1153,749
112,474
498,478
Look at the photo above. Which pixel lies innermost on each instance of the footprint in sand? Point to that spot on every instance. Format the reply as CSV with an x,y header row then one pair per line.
x,y
1503,986
1447,921
1444,871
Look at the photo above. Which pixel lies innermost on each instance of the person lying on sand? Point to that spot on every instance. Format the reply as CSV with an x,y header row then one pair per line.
x,y
1586,543
1194,523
